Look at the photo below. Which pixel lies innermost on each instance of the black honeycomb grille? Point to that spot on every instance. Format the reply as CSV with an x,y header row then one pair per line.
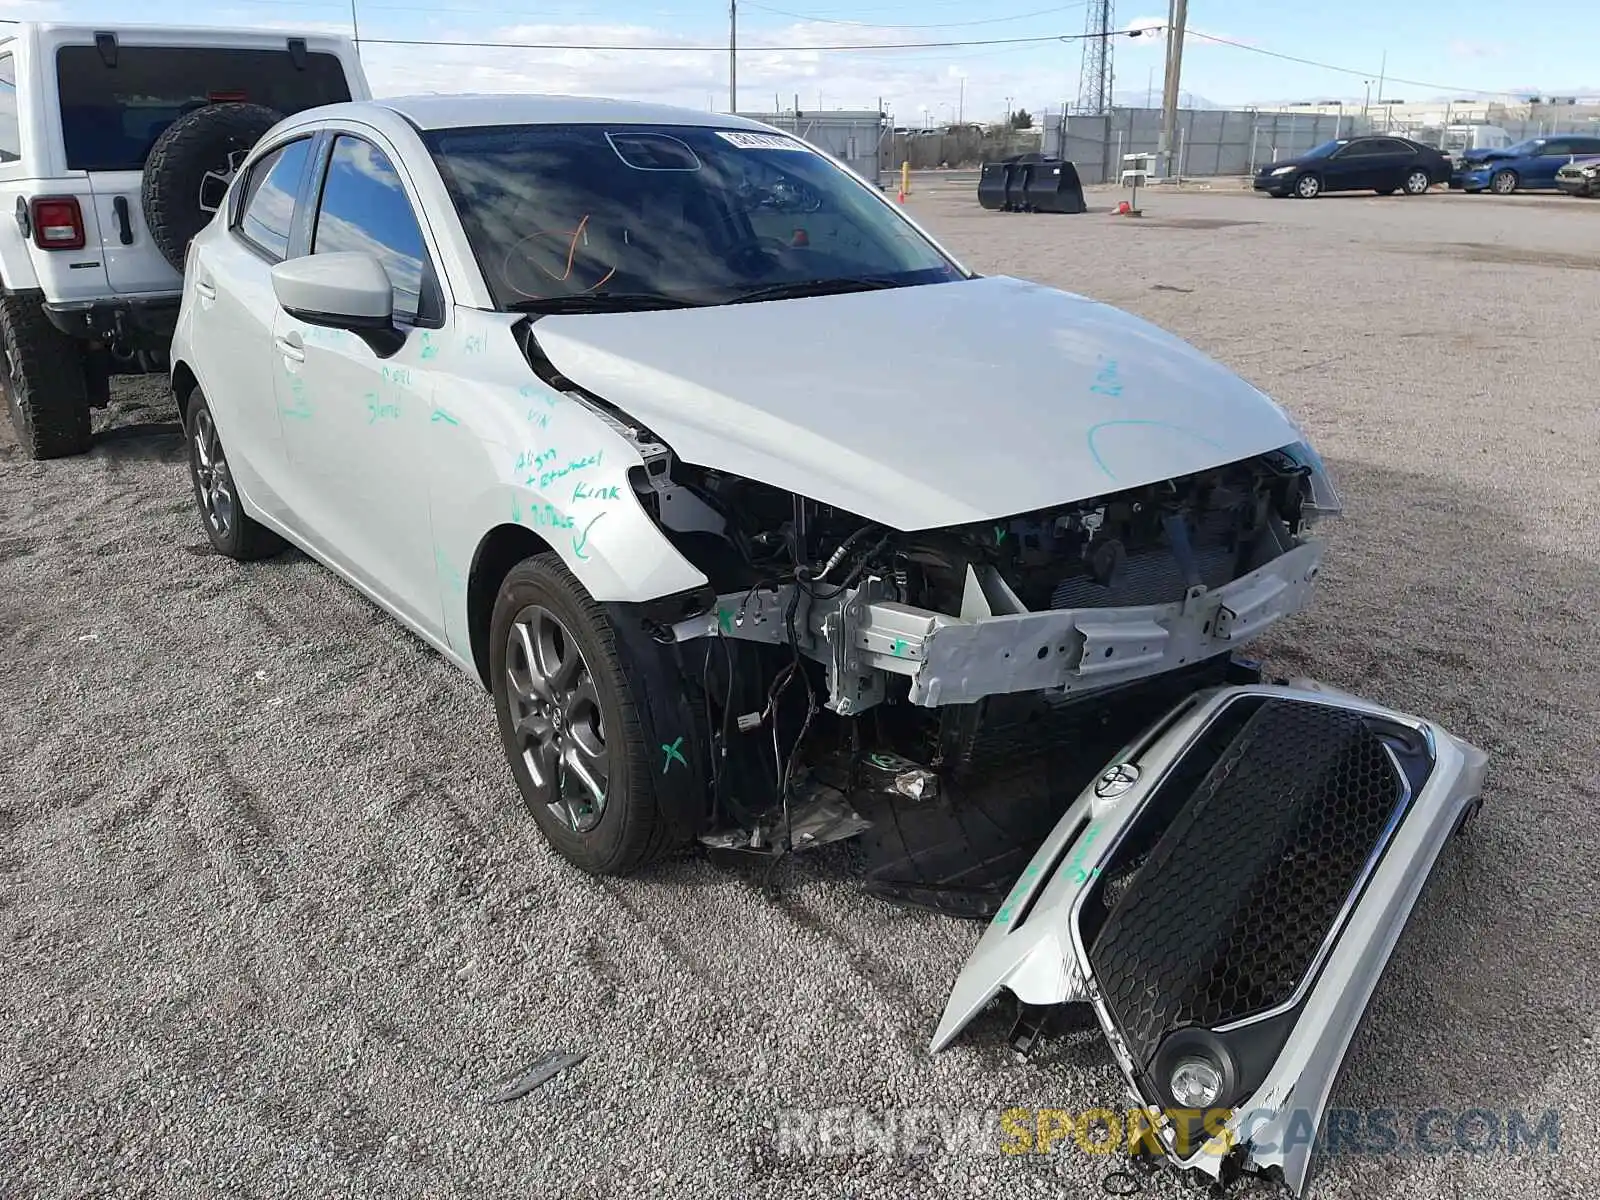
x,y
1225,917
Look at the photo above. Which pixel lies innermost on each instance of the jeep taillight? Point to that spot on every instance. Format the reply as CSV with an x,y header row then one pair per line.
x,y
57,223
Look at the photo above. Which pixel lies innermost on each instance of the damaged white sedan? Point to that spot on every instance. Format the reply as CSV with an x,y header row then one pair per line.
x,y
768,524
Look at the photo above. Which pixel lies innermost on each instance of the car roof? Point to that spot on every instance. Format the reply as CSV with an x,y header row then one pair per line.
x,y
462,112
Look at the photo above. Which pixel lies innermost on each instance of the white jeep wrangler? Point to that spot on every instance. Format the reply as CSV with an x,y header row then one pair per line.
x,y
116,147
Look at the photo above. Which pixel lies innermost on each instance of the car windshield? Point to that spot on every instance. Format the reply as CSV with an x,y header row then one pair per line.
x,y
1326,148
1524,149
584,218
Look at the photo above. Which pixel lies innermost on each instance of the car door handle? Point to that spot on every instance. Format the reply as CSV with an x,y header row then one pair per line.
x,y
291,347
119,206
205,289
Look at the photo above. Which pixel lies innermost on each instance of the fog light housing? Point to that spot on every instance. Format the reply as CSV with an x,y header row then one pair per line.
x,y
1195,1082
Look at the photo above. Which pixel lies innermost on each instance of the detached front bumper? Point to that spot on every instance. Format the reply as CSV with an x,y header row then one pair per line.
x,y
1228,892
1576,187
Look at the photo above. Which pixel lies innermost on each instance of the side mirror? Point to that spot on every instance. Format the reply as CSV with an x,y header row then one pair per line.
x,y
349,290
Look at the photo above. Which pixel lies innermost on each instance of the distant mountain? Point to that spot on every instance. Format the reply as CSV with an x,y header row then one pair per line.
x,y
1136,99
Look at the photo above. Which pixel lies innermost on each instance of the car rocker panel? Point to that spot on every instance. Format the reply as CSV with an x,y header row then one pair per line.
x,y
1228,973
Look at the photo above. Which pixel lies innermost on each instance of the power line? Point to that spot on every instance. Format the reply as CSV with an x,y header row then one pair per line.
x,y
783,12
720,49
1307,62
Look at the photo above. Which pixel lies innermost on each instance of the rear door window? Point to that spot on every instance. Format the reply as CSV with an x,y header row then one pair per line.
x,y
271,190
111,116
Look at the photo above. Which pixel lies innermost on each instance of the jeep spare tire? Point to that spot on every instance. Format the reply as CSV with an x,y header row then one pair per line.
x,y
190,166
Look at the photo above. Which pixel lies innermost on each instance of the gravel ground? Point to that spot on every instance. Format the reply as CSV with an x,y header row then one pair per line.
x,y
273,922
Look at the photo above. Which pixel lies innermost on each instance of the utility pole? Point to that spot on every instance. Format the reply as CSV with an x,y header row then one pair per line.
x,y
355,29
961,106
733,56
1177,19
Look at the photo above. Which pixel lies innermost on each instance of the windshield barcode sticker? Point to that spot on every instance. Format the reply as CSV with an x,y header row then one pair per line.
x,y
761,141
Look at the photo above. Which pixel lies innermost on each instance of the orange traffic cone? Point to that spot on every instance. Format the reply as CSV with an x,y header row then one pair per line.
x,y
1124,208
902,197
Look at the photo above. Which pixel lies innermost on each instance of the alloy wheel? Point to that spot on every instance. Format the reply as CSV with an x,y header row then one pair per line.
x,y
213,480
1308,187
1418,182
214,184
556,718
1504,183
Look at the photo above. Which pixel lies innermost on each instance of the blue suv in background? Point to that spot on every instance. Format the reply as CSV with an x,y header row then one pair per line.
x,y
1530,164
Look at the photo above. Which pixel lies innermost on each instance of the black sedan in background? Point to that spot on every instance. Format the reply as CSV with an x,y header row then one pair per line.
x,y
1357,164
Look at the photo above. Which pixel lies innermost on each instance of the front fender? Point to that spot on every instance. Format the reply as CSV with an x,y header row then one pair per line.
x,y
505,448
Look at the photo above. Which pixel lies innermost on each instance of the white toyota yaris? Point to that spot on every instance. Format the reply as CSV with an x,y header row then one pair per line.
x,y
768,524
661,422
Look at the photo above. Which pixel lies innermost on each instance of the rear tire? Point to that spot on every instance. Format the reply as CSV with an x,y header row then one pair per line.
x,y
46,385
1417,183
232,531
1503,183
594,797
190,166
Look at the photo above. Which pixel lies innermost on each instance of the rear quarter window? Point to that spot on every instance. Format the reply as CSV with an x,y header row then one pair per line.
x,y
10,127
111,116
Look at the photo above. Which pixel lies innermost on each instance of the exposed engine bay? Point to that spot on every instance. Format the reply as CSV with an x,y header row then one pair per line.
x,y
849,674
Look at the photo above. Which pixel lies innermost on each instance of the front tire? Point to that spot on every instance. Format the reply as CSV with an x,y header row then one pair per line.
x,y
43,376
569,722
1417,183
1503,183
232,531
1308,187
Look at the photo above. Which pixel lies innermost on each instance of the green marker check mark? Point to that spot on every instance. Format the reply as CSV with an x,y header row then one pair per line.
x,y
580,541
671,754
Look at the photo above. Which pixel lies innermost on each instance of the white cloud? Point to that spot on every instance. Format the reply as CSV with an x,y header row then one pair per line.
x,y
779,64
782,63
1471,49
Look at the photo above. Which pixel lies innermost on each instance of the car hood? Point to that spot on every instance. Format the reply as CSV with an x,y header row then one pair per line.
x,y
921,407
1298,161
1483,156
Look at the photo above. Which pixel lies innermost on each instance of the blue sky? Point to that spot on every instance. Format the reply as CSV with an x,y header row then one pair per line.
x,y
1457,49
